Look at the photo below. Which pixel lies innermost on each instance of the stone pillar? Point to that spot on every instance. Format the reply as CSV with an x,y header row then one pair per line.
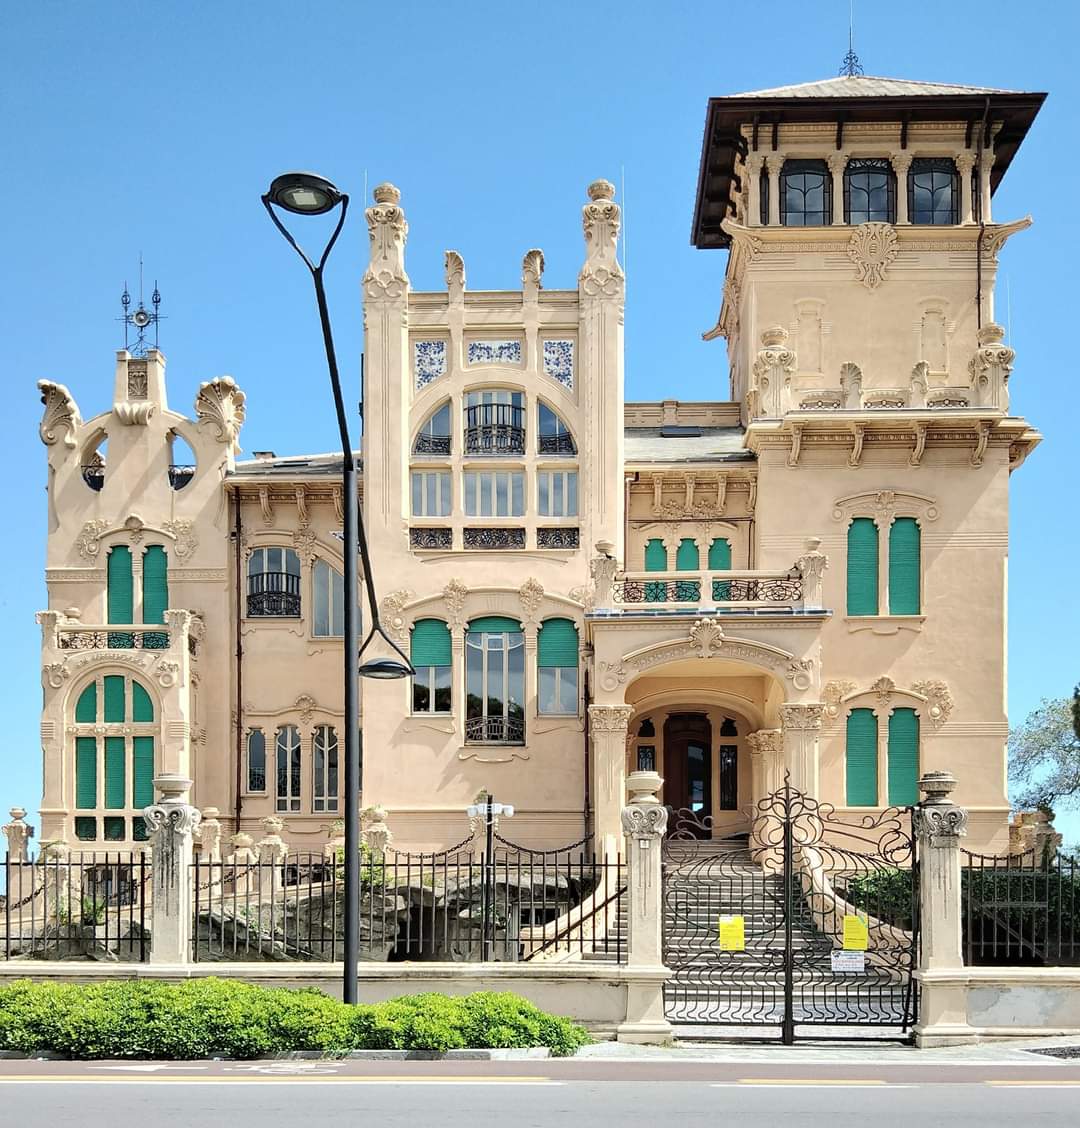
x,y
18,836
901,163
644,820
773,370
774,162
939,824
608,726
766,763
209,834
272,854
800,725
990,368
812,565
754,164
837,164
170,822
602,569
965,162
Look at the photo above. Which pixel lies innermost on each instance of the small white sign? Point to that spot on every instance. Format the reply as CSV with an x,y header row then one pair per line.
x,y
848,961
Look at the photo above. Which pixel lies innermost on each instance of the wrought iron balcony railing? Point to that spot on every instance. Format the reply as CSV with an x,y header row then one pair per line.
x,y
495,730
119,637
735,590
273,595
94,475
497,538
494,428
180,475
557,444
432,444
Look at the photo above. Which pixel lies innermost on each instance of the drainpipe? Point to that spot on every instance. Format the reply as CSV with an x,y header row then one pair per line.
x,y
237,531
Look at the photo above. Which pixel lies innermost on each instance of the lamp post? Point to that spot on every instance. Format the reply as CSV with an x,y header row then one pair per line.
x,y
490,811
304,193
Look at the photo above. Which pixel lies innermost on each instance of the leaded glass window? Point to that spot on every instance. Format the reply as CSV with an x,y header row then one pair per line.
x,y
805,194
869,191
933,191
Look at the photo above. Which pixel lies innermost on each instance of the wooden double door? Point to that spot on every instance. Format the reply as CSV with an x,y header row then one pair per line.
x,y
689,764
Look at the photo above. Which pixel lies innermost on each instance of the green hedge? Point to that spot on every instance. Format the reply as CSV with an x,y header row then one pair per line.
x,y
226,1018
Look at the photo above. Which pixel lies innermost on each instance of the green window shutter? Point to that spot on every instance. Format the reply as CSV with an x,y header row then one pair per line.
x,y
903,758
862,567
114,698
720,555
85,773
155,584
494,623
430,643
558,643
686,557
114,772
904,566
655,556
861,757
121,607
142,708
86,706
143,772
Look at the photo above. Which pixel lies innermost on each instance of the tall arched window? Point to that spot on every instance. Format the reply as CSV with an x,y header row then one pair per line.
x,y
256,760
325,764
554,435
287,754
933,191
869,191
861,758
805,194
328,584
115,734
495,681
155,594
862,567
274,583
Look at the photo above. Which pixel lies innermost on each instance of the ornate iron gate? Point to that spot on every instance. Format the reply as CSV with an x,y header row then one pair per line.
x,y
809,919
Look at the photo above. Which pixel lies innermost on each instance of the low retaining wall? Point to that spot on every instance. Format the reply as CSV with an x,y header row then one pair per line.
x,y
595,995
974,1003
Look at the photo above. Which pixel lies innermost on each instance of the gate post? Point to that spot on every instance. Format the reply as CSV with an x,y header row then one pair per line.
x,y
171,821
939,824
644,820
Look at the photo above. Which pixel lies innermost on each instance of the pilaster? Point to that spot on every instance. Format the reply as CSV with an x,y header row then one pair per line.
x,y
901,163
801,725
774,162
608,726
837,164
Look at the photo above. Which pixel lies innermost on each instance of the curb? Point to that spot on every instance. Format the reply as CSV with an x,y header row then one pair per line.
x,y
535,1053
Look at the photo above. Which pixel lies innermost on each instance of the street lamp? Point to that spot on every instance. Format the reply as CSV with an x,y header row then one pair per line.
x,y
489,811
305,193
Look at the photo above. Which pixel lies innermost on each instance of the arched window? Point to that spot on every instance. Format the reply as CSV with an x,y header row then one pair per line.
x,y
904,567
720,561
554,435
495,681
287,749
256,760
933,191
274,583
181,461
434,436
494,421
869,191
557,664
155,594
325,762
115,733
655,561
93,463
861,758
328,587
862,567
687,559
431,655
805,194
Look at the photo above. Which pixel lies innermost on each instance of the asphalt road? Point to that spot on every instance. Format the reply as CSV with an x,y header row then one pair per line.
x,y
541,1093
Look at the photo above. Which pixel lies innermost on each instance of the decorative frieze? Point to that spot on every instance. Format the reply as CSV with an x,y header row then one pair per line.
x,y
429,361
567,538
497,538
494,352
429,538
559,361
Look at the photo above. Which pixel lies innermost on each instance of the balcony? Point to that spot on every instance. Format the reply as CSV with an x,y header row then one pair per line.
x,y
495,730
273,595
64,639
495,429
118,637
738,591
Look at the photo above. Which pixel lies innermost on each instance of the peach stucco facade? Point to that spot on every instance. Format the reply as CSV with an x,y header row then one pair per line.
x,y
700,551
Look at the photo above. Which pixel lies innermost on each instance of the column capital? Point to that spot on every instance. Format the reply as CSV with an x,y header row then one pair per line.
x,y
837,161
610,718
937,820
965,162
901,161
765,740
754,163
801,718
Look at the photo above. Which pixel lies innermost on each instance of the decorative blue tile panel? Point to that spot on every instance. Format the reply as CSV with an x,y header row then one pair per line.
x,y
559,362
429,361
494,352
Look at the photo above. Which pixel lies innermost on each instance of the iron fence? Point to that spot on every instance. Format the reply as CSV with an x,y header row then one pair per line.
x,y
452,905
1021,909
86,905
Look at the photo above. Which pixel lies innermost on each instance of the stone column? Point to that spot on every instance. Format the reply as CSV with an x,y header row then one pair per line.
x,y
837,164
800,725
170,822
608,726
965,162
939,824
644,820
812,565
754,164
20,873
985,167
774,162
901,162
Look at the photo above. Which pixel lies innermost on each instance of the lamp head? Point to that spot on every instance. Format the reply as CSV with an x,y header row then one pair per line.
x,y
385,669
303,193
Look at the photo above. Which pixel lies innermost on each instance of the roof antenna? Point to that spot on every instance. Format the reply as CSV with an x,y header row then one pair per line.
x,y
851,67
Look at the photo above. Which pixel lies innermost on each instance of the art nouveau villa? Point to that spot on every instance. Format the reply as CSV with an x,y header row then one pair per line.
x,y
807,576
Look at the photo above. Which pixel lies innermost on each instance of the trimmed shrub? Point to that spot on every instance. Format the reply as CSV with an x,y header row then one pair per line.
x,y
227,1018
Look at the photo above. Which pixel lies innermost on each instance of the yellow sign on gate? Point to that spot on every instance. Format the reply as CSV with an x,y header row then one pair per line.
x,y
856,933
732,933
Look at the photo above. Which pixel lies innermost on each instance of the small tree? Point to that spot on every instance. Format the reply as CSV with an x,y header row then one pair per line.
x,y
1044,755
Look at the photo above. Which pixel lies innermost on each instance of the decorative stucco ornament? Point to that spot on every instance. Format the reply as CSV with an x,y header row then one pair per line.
x,y
220,406
385,277
531,594
939,702
61,417
872,248
706,634
454,595
601,276
390,610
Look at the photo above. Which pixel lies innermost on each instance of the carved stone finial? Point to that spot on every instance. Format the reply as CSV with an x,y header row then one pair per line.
x,y
601,276
376,833
601,190
61,418
602,569
991,367
644,817
18,836
220,406
532,269
454,266
773,372
386,193
385,277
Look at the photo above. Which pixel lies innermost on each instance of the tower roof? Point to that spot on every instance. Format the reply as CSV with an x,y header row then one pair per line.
x,y
843,100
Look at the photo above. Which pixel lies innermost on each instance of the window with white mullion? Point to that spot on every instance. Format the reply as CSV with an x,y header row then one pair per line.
x,y
431,495
494,493
325,763
557,493
287,764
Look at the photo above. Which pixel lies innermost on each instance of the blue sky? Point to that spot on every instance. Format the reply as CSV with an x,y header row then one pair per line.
x,y
153,128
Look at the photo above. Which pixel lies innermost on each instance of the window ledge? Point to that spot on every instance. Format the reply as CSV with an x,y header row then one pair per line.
x,y
884,624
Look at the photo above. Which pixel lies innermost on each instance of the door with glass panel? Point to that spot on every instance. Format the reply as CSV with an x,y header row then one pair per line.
x,y
688,766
